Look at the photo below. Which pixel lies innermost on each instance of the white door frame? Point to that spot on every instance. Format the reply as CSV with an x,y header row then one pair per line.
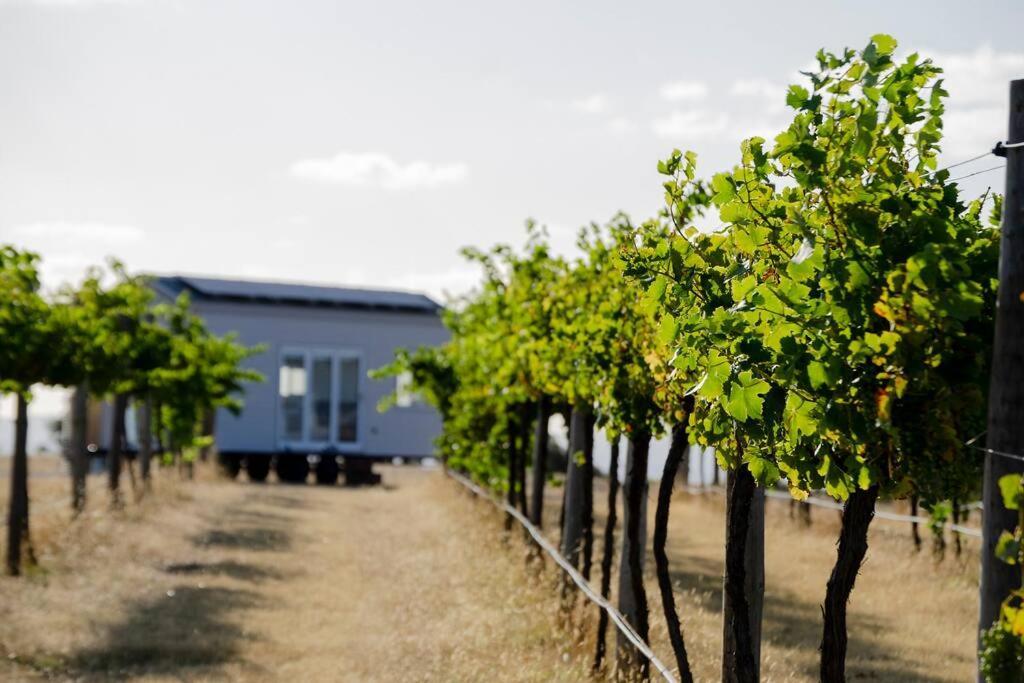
x,y
305,443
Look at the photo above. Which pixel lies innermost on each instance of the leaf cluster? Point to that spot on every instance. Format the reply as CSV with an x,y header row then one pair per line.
x,y
109,334
834,328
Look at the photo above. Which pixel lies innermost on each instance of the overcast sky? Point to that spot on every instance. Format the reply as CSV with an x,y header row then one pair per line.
x,y
363,143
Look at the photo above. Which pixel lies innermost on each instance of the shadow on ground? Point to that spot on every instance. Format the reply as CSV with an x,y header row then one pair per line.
x,y
282,500
795,624
189,627
236,570
169,634
245,538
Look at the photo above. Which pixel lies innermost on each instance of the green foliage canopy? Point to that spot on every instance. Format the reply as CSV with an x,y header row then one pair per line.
x,y
848,290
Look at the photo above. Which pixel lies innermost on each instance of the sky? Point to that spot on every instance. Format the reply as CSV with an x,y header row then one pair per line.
x,y
364,143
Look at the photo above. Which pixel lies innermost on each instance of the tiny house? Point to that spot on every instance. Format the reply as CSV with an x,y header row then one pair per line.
x,y
317,405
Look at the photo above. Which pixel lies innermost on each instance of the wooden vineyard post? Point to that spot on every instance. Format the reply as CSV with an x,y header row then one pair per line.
x,y
540,460
1005,434
743,585
632,595
574,520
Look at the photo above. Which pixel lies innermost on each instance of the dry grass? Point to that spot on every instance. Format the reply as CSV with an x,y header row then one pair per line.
x,y
911,619
415,580
228,581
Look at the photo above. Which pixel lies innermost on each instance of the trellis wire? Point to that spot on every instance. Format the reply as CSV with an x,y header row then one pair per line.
x,y
832,505
971,175
595,597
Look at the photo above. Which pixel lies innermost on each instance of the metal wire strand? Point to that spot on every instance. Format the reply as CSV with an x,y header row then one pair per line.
x,y
833,505
970,443
616,616
994,168
961,163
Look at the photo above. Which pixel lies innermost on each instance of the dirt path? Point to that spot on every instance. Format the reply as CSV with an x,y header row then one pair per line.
x,y
411,581
243,582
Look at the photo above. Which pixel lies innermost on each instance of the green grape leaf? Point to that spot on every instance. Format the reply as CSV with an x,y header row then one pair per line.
x,y
718,371
866,477
820,375
884,44
801,416
667,330
796,96
1012,488
743,286
744,400
1008,548
764,471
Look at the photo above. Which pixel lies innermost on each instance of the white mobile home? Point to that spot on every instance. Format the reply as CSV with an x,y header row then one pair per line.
x,y
317,399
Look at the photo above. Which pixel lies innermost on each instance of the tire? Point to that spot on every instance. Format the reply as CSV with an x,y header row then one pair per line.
x,y
257,467
230,465
292,469
327,470
359,472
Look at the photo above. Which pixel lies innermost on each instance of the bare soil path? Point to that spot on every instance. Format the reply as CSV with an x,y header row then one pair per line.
x,y
234,581
415,581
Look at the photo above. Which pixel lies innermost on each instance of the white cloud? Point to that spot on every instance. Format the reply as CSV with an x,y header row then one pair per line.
x,y
978,77
756,87
63,232
977,106
378,170
690,124
70,248
970,131
562,238
677,91
620,125
71,3
976,110
772,95
592,104
441,285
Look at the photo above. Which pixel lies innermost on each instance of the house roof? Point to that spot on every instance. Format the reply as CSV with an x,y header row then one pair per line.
x,y
246,291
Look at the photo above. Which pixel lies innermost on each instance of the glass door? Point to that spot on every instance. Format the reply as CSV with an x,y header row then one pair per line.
x,y
348,402
321,399
292,390
318,399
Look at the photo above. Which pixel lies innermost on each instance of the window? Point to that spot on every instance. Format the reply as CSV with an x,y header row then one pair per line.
x,y
404,395
320,429
348,403
292,382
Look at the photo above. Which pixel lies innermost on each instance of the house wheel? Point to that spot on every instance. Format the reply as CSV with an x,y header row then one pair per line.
x,y
292,469
327,470
257,467
230,464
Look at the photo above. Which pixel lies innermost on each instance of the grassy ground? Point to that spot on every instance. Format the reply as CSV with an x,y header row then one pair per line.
x,y
415,580
910,618
214,580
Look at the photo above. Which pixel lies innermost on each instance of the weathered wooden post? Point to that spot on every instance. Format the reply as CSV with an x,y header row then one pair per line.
x,y
540,460
115,449
574,519
743,594
632,595
608,550
1006,392
145,437
78,447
